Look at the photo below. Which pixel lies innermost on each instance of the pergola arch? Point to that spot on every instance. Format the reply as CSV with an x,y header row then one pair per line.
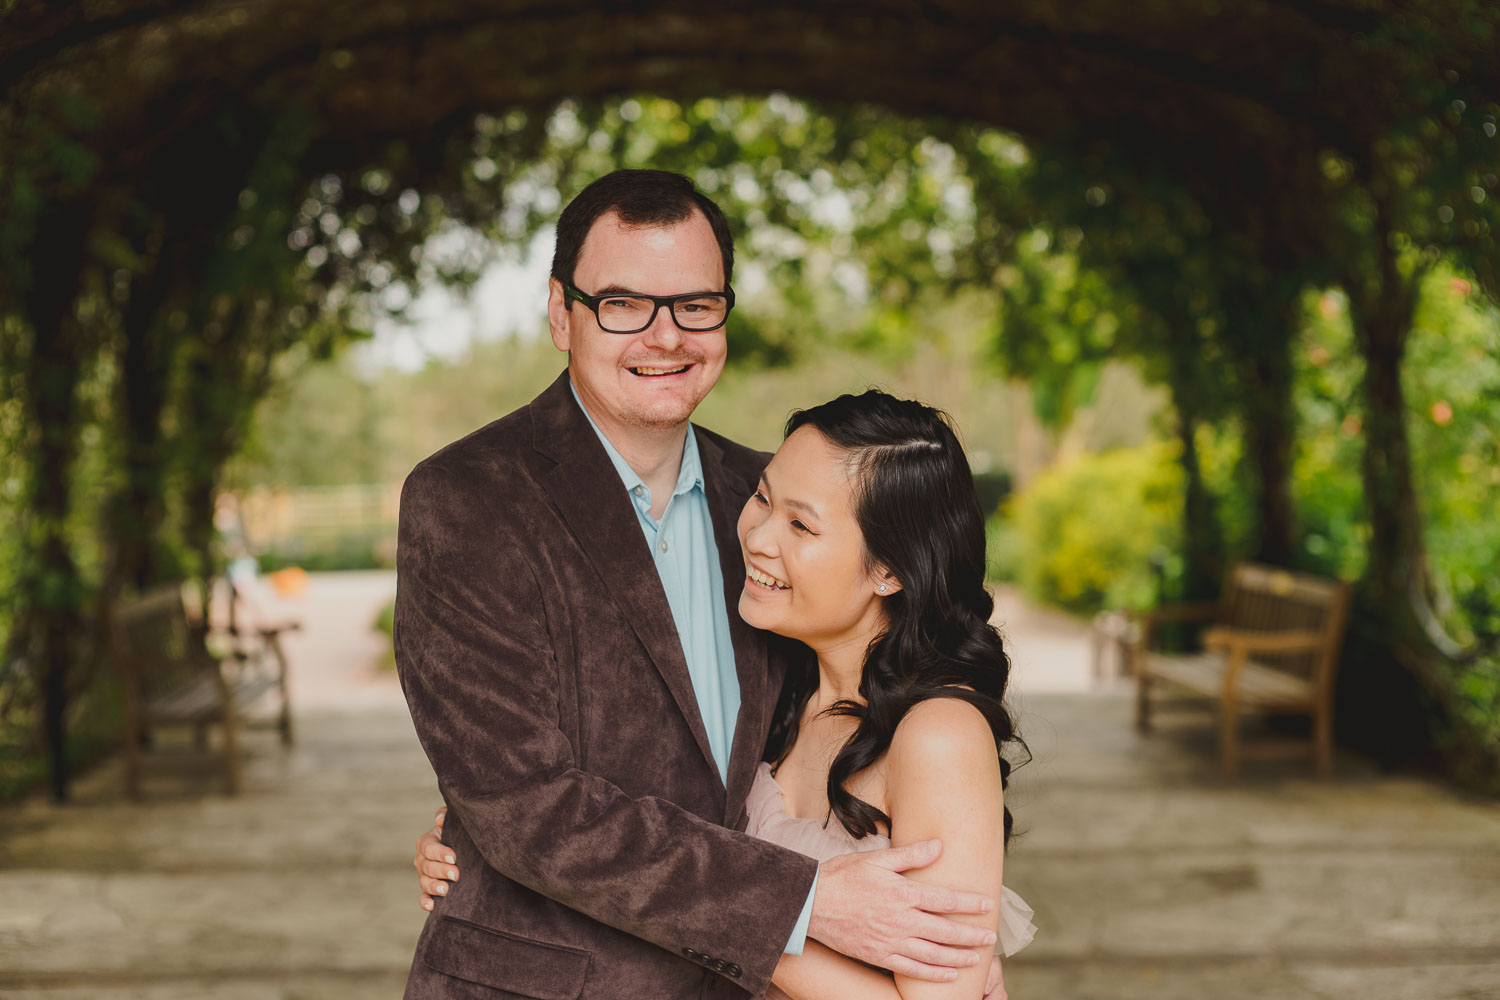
x,y
1247,108
1205,83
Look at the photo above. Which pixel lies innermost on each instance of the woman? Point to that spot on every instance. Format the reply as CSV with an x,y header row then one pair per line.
x,y
864,541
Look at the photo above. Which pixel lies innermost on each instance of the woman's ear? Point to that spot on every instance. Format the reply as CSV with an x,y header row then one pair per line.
x,y
886,583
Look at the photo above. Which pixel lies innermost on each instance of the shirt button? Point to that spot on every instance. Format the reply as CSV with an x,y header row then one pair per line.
x,y
639,491
663,546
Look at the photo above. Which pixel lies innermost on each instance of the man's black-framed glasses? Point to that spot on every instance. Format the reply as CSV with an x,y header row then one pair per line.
x,y
631,312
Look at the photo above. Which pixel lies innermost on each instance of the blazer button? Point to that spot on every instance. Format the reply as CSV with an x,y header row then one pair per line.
x,y
719,965
733,971
690,953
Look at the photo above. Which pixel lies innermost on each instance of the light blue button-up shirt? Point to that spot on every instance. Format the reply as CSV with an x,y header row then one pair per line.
x,y
687,561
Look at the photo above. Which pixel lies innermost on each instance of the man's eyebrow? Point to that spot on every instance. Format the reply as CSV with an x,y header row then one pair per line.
x,y
801,505
622,290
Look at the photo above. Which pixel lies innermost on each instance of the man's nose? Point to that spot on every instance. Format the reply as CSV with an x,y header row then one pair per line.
x,y
664,331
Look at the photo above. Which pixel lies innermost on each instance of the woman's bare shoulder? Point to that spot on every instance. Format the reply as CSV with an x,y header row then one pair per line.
x,y
945,732
943,773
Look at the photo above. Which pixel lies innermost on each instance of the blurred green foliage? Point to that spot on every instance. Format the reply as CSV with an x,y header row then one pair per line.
x,y
1105,530
1089,530
385,623
1452,381
1453,394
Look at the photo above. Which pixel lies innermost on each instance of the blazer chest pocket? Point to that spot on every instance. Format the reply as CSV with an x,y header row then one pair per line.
x,y
507,962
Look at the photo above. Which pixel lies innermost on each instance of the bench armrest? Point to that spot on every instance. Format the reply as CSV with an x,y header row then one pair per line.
x,y
243,644
1232,640
272,631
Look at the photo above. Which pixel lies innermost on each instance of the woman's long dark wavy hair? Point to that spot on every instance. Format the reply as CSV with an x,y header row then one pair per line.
x,y
915,503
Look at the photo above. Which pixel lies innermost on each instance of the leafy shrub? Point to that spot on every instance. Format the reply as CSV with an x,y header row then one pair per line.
x,y
344,552
385,620
1088,531
1002,547
385,623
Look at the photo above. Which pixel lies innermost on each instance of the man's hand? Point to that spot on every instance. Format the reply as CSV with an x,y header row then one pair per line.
x,y
865,908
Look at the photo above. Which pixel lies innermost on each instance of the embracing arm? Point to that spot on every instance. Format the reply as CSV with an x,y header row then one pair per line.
x,y
942,782
475,661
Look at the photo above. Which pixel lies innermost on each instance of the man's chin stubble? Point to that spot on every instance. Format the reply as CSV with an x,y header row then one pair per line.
x,y
658,421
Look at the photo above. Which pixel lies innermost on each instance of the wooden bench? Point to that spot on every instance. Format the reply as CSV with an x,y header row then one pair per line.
x,y
1273,648
178,670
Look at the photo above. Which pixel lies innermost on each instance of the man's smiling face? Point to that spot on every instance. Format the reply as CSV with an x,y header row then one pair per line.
x,y
618,375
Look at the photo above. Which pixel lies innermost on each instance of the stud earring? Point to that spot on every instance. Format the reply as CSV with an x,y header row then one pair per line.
x,y
882,588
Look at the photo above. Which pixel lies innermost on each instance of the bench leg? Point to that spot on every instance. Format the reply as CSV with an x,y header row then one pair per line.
x,y
232,779
134,742
133,764
1229,732
1323,740
282,686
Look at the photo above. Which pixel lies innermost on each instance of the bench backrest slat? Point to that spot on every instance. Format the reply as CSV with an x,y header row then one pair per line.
x,y
162,649
1269,599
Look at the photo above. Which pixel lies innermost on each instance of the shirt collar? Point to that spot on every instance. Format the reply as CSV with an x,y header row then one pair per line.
x,y
689,475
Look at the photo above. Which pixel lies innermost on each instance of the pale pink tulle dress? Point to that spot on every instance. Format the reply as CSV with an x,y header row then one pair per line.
x,y
769,820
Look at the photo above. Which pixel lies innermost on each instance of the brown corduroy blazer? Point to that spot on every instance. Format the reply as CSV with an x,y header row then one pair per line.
x,y
600,849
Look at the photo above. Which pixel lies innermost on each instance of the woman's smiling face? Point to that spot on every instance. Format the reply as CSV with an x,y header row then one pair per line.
x,y
807,573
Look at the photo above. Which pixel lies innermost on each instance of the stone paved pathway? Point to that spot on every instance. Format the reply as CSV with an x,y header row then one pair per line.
x,y
1151,879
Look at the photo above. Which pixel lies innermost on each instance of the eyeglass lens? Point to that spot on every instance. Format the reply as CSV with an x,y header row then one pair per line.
x,y
629,313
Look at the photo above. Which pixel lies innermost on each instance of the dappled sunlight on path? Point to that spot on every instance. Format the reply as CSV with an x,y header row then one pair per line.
x,y
1151,878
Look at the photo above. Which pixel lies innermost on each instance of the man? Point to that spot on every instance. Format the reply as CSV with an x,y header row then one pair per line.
x,y
592,705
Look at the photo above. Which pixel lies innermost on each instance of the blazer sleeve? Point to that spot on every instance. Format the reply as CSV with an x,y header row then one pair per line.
x,y
475,662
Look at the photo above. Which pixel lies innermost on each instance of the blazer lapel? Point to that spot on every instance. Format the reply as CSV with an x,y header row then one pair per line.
x,y
588,492
726,493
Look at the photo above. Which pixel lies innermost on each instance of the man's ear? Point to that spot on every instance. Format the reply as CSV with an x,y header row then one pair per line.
x,y
557,315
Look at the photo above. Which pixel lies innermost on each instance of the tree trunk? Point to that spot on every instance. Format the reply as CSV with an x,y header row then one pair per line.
x,y
189,203
51,592
1398,569
1203,544
1405,661
1398,578
1268,440
1261,318
139,511
227,378
1389,692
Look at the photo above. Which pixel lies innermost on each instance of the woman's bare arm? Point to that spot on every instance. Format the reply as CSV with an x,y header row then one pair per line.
x,y
943,781
820,973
